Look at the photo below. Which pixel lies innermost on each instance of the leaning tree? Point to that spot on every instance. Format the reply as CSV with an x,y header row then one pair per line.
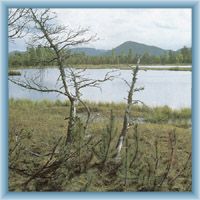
x,y
47,33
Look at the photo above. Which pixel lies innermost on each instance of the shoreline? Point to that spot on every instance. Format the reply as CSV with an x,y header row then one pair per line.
x,y
140,114
93,103
109,66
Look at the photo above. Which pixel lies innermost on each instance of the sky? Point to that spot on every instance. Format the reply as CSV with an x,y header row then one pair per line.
x,y
164,28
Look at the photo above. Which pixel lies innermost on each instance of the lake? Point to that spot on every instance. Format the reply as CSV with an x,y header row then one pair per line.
x,y
171,88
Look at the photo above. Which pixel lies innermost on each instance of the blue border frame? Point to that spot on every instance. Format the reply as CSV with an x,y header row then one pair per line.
x,y
193,4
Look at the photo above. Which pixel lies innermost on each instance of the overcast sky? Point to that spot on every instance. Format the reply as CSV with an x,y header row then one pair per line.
x,y
165,28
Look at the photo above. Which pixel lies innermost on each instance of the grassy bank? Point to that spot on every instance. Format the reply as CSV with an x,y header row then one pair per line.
x,y
156,157
112,66
180,117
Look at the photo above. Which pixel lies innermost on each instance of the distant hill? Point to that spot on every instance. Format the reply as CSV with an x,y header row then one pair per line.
x,y
137,48
89,51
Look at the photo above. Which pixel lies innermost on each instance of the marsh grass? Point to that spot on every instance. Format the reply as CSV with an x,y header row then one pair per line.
x,y
155,155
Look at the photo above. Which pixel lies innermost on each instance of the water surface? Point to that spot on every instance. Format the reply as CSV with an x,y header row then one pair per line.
x,y
171,88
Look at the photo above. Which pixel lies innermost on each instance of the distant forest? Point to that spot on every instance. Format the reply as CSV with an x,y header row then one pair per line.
x,y
40,56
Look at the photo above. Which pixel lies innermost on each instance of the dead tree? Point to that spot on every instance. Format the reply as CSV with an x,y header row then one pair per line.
x,y
130,102
47,33
79,81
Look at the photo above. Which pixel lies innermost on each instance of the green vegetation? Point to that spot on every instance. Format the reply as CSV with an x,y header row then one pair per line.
x,y
36,57
156,155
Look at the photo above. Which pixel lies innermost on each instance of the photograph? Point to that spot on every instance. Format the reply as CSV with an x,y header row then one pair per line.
x,y
99,99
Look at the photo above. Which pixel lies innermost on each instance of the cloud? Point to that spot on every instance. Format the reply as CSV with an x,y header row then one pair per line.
x,y
165,28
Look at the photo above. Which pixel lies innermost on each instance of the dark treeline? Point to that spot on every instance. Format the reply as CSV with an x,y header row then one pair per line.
x,y
38,56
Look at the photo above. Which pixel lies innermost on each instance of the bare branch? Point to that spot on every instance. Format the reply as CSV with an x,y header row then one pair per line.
x,y
32,85
17,23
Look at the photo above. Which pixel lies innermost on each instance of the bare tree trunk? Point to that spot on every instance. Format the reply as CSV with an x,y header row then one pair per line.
x,y
71,122
123,132
72,113
127,110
